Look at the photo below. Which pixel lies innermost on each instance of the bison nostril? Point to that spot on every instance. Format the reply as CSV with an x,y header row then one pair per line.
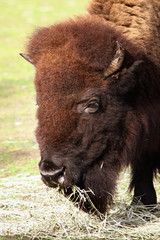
x,y
52,173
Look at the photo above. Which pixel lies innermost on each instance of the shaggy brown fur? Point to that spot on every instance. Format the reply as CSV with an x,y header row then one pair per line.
x,y
139,20
89,126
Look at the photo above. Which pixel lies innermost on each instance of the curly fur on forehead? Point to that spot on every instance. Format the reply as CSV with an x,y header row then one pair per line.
x,y
76,39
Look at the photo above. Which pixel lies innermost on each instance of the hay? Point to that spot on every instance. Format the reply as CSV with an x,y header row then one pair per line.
x,y
29,209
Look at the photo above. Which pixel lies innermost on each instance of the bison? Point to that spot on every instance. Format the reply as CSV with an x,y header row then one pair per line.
x,y
98,93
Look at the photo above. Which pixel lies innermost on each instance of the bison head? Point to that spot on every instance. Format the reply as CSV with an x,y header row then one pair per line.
x,y
85,87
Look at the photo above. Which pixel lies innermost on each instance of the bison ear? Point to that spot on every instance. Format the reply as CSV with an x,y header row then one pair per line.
x,y
128,77
27,57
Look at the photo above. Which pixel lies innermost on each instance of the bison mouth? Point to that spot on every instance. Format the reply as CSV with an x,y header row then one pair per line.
x,y
53,178
77,194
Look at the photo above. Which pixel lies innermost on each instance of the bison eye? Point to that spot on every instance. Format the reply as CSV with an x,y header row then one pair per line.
x,y
91,106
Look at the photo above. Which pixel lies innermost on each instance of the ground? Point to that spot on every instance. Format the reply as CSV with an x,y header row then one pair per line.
x,y
29,210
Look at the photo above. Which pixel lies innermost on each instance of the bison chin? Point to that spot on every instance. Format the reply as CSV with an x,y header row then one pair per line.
x,y
100,185
94,192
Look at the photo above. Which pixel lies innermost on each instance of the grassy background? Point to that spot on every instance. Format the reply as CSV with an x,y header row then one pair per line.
x,y
18,18
27,207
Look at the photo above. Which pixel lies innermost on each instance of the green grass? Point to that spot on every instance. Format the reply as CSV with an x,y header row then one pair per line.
x,y
18,19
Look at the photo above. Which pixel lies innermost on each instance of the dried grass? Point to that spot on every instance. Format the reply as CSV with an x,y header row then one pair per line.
x,y
28,209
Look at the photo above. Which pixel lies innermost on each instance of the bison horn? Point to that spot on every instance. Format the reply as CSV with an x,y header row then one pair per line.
x,y
26,57
116,62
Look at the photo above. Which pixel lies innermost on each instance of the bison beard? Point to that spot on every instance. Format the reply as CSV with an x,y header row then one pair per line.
x,y
98,99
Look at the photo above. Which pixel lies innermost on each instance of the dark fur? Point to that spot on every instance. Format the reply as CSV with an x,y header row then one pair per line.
x,y
70,60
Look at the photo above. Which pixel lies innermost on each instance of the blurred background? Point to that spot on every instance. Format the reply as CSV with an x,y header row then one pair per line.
x,y
19,152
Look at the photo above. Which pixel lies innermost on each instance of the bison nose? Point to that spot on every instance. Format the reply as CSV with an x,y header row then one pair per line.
x,y
51,174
